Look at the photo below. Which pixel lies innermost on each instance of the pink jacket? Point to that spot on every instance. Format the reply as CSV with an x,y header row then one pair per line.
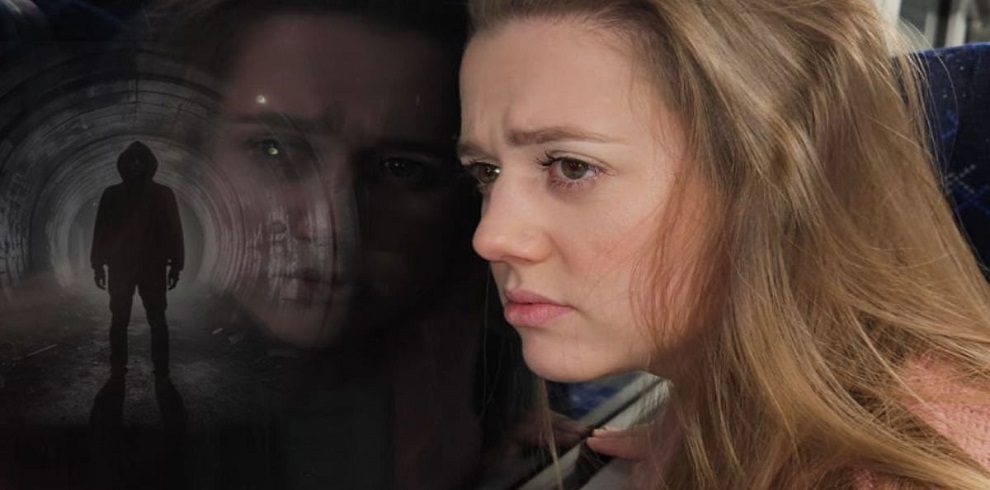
x,y
949,411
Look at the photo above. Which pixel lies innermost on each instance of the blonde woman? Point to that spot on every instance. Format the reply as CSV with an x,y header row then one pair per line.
x,y
735,195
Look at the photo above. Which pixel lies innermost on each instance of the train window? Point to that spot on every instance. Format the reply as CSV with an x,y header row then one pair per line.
x,y
939,23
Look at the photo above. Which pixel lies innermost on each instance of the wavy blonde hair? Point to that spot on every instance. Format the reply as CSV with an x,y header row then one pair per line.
x,y
831,256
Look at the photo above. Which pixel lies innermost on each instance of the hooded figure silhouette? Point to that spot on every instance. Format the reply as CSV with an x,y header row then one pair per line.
x,y
138,237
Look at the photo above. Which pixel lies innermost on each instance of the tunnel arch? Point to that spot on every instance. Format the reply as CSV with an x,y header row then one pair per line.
x,y
63,121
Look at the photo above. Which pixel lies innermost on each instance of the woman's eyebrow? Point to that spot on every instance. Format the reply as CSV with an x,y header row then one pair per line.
x,y
539,136
555,133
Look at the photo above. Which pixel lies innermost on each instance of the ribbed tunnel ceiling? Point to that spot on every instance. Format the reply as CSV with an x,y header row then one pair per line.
x,y
64,117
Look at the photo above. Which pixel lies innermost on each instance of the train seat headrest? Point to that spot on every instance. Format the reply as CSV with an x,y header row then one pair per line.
x,y
959,120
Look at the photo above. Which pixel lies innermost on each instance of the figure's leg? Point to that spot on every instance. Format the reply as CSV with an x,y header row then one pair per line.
x,y
121,288
152,290
159,343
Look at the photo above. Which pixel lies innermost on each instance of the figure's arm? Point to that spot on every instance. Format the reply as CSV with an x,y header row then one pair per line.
x,y
176,245
98,253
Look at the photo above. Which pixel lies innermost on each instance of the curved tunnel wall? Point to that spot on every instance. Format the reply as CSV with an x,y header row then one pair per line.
x,y
63,121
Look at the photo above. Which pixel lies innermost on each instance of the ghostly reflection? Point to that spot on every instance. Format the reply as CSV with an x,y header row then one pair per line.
x,y
336,129
337,133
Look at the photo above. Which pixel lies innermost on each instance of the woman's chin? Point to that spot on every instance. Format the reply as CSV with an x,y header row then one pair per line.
x,y
558,366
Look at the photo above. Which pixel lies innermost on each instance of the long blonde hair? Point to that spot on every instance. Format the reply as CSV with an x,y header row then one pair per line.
x,y
831,256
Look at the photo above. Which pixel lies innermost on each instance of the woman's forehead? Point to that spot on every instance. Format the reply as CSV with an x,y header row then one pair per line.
x,y
530,75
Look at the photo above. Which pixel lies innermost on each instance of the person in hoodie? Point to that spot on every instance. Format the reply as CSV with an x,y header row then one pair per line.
x,y
138,239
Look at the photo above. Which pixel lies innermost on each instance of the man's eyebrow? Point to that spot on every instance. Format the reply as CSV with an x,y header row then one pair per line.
x,y
288,122
539,137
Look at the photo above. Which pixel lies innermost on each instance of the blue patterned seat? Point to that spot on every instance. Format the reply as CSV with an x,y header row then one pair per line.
x,y
959,115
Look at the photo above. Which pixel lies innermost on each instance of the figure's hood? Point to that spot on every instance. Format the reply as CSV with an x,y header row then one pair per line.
x,y
137,164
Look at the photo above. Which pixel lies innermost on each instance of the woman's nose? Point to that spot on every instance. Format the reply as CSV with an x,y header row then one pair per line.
x,y
510,229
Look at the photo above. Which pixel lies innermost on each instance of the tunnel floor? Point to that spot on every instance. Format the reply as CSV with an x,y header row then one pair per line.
x,y
54,359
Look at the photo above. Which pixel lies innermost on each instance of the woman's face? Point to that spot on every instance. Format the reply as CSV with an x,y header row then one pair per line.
x,y
576,159
335,134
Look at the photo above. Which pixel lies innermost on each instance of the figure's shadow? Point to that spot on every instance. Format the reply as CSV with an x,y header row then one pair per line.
x,y
106,428
174,416
114,448
106,417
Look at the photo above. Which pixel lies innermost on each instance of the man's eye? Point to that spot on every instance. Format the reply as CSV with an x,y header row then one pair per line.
x,y
484,173
290,157
402,168
409,170
269,147
277,148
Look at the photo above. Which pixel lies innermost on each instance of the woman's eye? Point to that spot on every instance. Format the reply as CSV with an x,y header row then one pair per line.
x,y
570,172
484,173
574,169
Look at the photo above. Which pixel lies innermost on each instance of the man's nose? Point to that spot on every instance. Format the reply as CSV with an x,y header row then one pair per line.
x,y
510,229
314,197
303,206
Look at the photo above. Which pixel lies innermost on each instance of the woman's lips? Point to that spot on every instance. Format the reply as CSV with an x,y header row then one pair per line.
x,y
525,309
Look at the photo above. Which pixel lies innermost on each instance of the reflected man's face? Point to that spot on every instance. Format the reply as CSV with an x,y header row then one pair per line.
x,y
336,134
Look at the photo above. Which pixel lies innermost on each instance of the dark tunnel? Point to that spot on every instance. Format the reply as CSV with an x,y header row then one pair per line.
x,y
64,121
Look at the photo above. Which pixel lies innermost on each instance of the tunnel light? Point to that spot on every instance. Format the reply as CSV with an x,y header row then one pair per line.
x,y
261,99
